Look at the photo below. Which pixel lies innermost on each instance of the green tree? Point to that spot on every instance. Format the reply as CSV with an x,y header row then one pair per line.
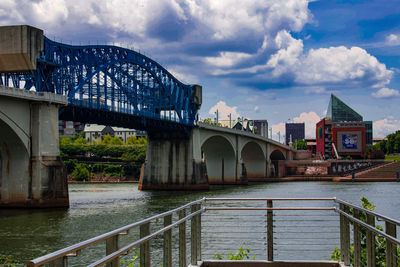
x,y
300,144
77,135
131,140
142,140
80,141
211,122
80,172
391,145
65,141
116,141
106,140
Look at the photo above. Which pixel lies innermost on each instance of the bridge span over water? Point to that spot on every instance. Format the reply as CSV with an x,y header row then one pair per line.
x,y
42,80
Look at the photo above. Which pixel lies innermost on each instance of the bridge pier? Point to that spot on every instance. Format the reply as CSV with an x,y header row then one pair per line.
x,y
31,172
173,162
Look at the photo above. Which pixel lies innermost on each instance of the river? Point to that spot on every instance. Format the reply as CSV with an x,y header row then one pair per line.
x,y
98,208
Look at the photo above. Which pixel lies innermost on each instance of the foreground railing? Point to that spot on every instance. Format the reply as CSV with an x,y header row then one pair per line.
x,y
271,228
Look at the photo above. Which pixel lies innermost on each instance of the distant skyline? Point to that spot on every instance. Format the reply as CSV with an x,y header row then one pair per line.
x,y
271,59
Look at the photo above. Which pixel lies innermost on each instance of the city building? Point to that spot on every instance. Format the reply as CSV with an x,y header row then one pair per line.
x,y
311,143
261,127
69,128
342,132
295,130
94,132
245,125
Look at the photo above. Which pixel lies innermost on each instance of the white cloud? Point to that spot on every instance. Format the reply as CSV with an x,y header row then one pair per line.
x,y
386,126
227,59
228,19
393,39
222,28
333,65
386,93
278,128
224,110
288,54
338,64
50,11
326,65
257,109
310,119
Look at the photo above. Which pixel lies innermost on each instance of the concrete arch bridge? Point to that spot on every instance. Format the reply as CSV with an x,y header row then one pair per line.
x,y
212,155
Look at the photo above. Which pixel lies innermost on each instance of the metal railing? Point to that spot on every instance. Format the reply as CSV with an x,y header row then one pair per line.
x,y
272,228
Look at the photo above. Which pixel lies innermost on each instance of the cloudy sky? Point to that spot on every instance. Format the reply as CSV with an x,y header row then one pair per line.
x,y
260,59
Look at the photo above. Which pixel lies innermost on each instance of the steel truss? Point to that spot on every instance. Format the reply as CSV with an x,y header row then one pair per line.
x,y
110,81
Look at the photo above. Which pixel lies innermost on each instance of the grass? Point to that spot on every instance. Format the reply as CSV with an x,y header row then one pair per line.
x,y
395,158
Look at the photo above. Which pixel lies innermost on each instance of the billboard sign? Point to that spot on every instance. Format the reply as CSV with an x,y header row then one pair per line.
x,y
349,141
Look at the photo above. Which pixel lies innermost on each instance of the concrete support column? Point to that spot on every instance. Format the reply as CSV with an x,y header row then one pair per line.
x,y
268,160
173,162
289,155
49,177
241,172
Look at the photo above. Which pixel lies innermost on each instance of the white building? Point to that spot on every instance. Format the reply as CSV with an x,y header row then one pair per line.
x,y
95,132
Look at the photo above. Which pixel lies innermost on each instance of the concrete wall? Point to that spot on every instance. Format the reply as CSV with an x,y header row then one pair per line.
x,y
31,172
20,48
172,164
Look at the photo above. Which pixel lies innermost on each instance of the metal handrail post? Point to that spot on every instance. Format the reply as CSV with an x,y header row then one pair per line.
x,y
145,248
112,246
60,262
391,249
357,239
167,256
193,236
370,242
270,231
344,236
198,233
182,240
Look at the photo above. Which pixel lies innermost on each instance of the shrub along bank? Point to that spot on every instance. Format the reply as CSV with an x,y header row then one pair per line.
x,y
109,159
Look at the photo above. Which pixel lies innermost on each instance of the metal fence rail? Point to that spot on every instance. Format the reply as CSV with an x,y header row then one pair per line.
x,y
271,228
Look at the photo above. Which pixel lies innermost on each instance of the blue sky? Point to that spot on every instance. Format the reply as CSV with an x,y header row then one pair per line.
x,y
270,59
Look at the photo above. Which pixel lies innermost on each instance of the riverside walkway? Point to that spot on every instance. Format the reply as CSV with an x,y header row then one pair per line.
x,y
279,231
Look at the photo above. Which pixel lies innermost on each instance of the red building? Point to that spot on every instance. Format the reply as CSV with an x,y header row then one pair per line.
x,y
348,138
343,132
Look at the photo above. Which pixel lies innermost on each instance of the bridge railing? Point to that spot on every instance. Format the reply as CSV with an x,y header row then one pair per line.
x,y
270,229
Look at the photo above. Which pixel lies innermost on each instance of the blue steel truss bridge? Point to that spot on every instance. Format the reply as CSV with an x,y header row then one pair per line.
x,y
104,84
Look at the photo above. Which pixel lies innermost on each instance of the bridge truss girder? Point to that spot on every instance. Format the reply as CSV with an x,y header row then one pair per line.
x,y
110,80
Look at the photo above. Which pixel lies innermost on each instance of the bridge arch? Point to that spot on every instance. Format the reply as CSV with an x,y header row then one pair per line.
x,y
14,164
276,156
254,160
220,158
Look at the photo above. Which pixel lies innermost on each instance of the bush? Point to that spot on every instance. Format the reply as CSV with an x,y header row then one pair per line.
x,y
242,254
70,164
380,243
80,172
8,261
300,145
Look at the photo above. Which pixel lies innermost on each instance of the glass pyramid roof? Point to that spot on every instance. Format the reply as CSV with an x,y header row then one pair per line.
x,y
339,111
